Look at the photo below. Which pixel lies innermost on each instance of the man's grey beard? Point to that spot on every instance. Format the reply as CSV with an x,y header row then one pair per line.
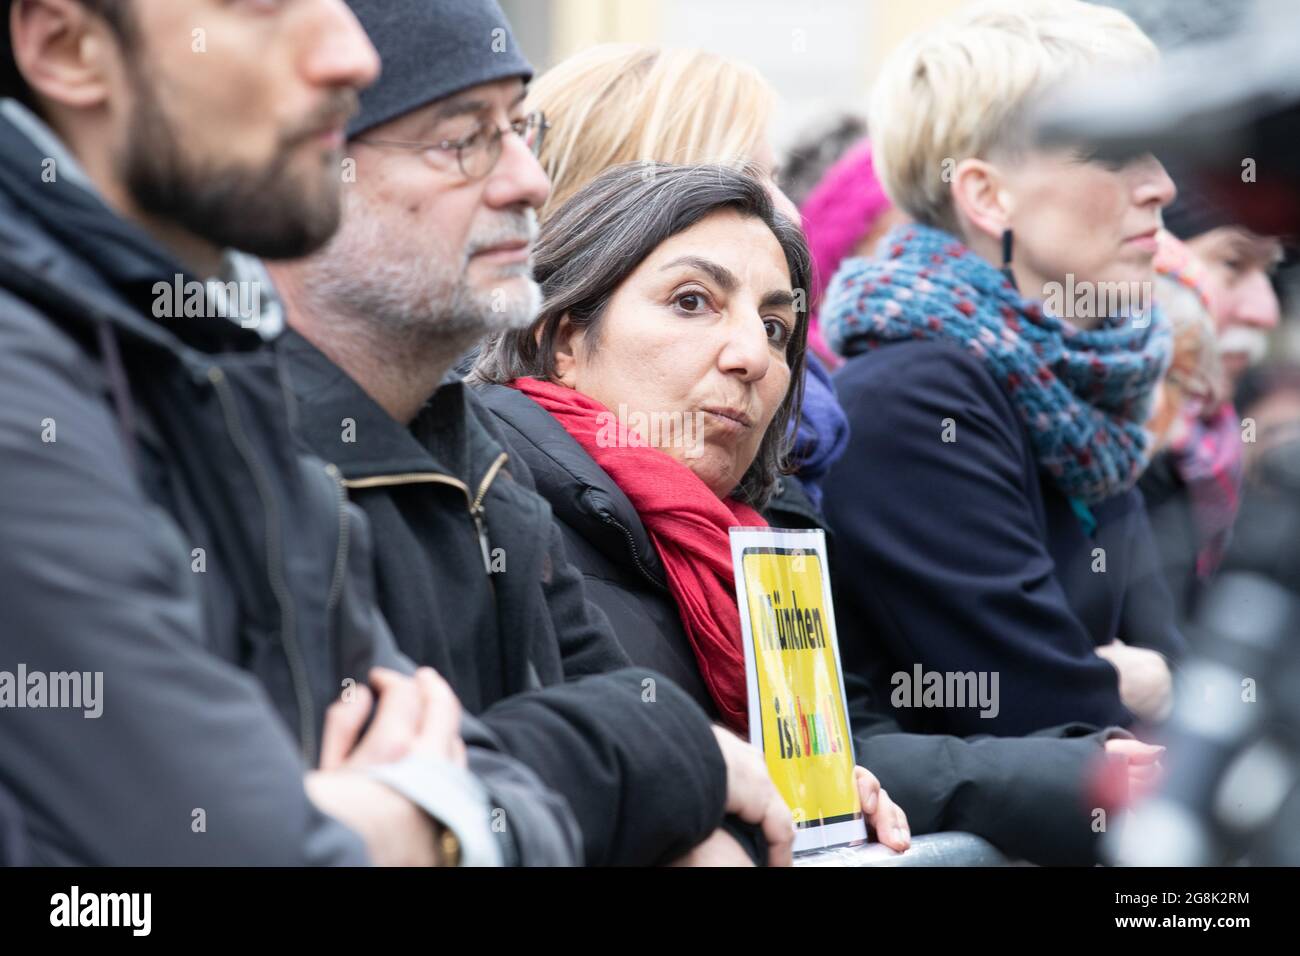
x,y
430,306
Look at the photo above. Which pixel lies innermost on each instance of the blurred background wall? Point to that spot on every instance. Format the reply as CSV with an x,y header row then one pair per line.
x,y
819,54
822,55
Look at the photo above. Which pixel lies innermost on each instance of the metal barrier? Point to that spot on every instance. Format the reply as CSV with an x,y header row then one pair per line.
x,y
932,849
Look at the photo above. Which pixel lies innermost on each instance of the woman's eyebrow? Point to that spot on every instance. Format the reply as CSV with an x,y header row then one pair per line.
x,y
720,274
777,299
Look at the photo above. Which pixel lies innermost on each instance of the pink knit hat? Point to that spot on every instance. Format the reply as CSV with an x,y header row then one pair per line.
x,y
839,211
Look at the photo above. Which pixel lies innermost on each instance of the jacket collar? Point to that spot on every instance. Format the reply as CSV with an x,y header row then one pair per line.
x,y
581,493
445,439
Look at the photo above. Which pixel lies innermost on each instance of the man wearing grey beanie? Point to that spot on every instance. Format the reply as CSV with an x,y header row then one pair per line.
x,y
434,253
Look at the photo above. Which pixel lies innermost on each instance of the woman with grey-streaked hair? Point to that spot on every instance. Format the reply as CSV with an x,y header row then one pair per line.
x,y
651,400
633,209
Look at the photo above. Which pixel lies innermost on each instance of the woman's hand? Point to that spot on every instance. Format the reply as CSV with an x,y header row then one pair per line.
x,y
884,816
1143,763
1145,684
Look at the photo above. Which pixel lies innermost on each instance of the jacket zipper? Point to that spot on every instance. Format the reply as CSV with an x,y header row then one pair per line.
x,y
275,572
631,547
341,555
473,500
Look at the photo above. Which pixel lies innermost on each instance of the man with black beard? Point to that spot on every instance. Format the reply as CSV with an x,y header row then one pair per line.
x,y
158,527
433,254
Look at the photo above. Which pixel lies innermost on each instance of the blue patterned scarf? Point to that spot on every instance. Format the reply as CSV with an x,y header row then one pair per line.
x,y
1083,395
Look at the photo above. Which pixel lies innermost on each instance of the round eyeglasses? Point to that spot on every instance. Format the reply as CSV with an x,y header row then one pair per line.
x,y
477,154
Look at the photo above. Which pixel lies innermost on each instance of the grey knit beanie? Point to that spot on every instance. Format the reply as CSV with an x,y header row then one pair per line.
x,y
432,49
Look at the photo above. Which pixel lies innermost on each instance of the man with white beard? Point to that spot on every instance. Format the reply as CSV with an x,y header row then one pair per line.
x,y
433,254
1237,278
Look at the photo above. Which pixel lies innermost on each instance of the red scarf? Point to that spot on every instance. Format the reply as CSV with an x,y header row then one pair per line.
x,y
688,525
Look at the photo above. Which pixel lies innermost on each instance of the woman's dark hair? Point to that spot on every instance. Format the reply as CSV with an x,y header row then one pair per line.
x,y
603,233
114,12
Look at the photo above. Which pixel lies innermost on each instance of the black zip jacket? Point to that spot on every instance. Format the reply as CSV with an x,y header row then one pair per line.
x,y
473,577
159,528
1025,795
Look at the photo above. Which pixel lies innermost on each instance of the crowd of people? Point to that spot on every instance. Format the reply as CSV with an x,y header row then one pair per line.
x,y
344,538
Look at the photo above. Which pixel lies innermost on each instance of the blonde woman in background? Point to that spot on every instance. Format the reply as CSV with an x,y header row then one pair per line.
x,y
629,103
996,432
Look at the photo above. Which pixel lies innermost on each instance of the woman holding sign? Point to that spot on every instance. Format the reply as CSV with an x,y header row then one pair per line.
x,y
672,325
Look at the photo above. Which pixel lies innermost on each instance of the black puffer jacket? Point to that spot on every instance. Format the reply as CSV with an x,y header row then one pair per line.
x,y
473,577
604,538
1024,794
160,528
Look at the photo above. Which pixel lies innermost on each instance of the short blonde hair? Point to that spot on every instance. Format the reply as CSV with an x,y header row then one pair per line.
x,y
627,103
966,87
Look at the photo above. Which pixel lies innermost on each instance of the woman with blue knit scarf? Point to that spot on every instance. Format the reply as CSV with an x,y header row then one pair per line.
x,y
1002,356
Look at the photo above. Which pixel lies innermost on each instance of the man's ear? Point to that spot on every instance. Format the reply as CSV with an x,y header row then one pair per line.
x,y
568,348
980,198
63,51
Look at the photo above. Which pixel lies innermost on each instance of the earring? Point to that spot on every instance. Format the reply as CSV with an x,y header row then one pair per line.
x,y
1007,242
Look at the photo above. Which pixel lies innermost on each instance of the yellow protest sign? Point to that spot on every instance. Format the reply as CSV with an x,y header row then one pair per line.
x,y
797,712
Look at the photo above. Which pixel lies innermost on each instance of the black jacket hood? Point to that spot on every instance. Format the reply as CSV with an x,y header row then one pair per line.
x,y
581,493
